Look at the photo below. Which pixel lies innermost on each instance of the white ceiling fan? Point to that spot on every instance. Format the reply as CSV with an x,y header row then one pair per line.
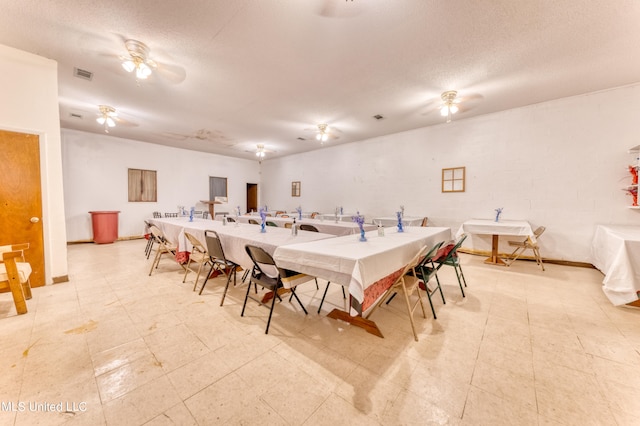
x,y
324,132
138,60
450,104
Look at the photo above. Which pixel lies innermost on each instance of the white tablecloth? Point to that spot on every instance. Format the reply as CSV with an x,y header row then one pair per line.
x,y
324,226
355,264
616,252
491,227
393,220
232,237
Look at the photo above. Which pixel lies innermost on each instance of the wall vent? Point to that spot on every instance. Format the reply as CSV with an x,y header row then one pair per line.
x,y
378,117
75,115
301,139
80,73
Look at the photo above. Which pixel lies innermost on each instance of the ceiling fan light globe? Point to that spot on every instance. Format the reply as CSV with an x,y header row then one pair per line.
x,y
318,136
453,109
325,137
101,120
128,66
110,122
444,111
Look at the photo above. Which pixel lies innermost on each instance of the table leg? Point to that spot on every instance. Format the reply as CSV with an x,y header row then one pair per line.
x,y
494,259
367,325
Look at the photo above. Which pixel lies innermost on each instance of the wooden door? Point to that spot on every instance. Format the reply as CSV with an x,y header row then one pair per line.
x,y
252,197
21,198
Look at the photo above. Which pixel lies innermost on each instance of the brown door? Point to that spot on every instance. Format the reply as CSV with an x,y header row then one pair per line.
x,y
252,197
21,198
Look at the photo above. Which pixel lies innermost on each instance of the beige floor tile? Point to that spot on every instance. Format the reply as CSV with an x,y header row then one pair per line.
x,y
335,410
142,404
176,415
505,383
128,377
196,375
484,408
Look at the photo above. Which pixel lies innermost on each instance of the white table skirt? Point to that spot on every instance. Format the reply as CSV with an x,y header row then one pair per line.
x,y
355,264
616,253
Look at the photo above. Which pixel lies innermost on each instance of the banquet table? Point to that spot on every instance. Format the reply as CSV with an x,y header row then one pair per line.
x,y
491,227
232,237
615,251
332,216
393,220
324,226
367,268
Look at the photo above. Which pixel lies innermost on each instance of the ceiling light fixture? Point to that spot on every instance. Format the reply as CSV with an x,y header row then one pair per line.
x,y
323,133
260,152
138,59
449,106
107,117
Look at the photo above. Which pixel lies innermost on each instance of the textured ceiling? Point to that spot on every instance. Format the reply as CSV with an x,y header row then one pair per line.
x,y
233,74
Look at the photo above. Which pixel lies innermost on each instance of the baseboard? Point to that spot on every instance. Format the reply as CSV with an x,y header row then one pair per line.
x,y
530,258
132,237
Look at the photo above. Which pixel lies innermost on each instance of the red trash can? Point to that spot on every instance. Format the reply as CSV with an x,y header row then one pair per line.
x,y
105,226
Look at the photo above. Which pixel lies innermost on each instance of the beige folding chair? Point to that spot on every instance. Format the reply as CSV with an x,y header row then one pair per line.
x,y
408,282
198,255
424,221
15,276
528,244
26,283
164,247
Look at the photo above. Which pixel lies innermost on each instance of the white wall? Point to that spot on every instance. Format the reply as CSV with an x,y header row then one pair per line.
x,y
95,178
29,104
560,164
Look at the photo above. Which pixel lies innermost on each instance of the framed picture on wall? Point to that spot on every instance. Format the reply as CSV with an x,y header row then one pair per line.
x,y
453,179
295,189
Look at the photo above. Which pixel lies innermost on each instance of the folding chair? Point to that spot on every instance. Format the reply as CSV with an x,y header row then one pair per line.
x,y
408,282
527,244
219,261
198,255
14,275
268,275
449,256
164,247
427,269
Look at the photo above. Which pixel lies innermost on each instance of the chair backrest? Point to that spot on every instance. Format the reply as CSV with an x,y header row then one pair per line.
x,y
450,252
269,223
279,212
428,257
157,215
205,215
171,215
197,245
424,221
263,262
288,225
284,215
314,214
307,227
214,246
539,230
253,222
230,219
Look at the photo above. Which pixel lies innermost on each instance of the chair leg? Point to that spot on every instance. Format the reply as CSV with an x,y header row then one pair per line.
x,y
226,287
293,292
462,275
323,296
440,288
244,305
205,281
391,298
433,311
273,303
344,296
410,311
156,260
186,270
459,282
317,288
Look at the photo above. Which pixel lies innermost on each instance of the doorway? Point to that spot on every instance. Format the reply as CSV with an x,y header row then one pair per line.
x,y
252,197
21,198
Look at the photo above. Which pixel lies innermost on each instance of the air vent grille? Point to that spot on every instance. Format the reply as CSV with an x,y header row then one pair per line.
x,y
80,73
75,115
378,117
301,139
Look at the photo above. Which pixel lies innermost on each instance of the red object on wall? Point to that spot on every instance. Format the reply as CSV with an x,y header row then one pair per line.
x,y
105,226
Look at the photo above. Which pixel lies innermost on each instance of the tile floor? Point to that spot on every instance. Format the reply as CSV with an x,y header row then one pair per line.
x,y
115,346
